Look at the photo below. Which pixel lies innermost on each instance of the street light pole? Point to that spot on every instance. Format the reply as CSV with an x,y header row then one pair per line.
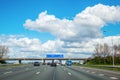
x,y
113,52
104,47
112,48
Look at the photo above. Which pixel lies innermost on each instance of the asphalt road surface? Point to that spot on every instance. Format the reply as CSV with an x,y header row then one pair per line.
x,y
46,72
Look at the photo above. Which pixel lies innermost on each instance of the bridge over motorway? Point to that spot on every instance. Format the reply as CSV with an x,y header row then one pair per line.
x,y
44,59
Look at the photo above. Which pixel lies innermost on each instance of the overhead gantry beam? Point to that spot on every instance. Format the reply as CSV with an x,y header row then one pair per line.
x,y
43,59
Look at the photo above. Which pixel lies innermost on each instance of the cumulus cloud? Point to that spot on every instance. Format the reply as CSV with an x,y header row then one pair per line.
x,y
74,38
84,26
53,46
21,46
104,12
26,47
49,23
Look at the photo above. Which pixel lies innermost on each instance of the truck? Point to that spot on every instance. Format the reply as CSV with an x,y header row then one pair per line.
x,y
69,62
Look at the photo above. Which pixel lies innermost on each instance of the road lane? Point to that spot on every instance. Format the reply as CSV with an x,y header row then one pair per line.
x,y
63,74
20,74
85,75
13,68
45,72
100,72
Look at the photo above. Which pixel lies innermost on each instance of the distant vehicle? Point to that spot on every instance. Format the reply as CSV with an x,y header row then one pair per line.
x,y
63,63
48,63
53,64
69,62
36,64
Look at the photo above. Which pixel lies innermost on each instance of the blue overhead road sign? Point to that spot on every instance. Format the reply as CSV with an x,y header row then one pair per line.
x,y
54,56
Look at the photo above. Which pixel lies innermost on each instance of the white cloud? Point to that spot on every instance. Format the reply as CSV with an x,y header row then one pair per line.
x,y
84,26
25,47
21,46
104,12
52,46
74,38
49,23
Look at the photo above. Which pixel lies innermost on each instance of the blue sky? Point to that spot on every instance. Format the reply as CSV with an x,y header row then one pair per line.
x,y
13,14
71,27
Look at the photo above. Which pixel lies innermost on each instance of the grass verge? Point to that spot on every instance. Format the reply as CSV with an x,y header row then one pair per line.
x,y
105,67
11,65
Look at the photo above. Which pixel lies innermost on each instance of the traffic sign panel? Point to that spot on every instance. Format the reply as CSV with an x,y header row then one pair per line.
x,y
54,56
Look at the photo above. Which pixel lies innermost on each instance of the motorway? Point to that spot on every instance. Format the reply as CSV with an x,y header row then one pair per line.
x,y
46,72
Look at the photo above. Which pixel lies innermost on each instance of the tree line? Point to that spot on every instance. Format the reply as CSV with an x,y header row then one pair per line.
x,y
104,54
3,52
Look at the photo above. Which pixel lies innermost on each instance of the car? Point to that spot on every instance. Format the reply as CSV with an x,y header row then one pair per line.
x,y
63,64
48,63
53,64
36,64
69,62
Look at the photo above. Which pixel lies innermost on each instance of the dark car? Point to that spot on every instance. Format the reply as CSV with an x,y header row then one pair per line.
x,y
36,64
48,63
53,64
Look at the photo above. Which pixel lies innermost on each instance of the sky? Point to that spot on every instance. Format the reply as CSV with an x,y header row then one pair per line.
x,y
33,28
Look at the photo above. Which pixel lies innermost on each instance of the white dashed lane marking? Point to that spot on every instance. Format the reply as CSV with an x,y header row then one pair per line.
x,y
88,71
69,73
27,69
113,78
8,72
93,72
37,72
101,74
